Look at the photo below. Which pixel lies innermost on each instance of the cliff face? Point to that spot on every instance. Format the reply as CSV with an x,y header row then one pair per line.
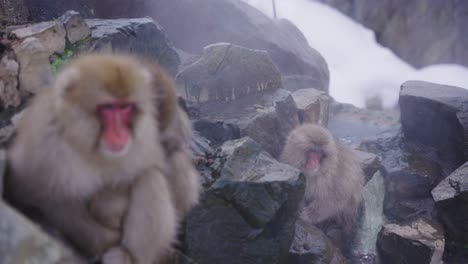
x,y
422,32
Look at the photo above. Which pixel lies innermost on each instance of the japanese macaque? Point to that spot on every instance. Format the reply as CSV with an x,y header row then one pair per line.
x,y
175,137
101,133
334,179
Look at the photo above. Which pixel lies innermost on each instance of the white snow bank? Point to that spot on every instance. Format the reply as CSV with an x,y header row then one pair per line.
x,y
359,66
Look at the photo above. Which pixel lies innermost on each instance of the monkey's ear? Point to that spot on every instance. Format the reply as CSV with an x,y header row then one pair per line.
x,y
166,96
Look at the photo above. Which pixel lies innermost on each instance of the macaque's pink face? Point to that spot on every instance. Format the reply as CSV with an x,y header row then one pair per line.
x,y
313,158
116,118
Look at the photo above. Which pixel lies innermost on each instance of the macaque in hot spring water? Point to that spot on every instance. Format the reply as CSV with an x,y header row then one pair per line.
x,y
334,178
103,155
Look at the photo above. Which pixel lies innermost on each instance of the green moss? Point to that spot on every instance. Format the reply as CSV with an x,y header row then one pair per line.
x,y
57,61
81,45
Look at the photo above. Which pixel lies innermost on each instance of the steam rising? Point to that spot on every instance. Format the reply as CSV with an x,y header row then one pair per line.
x,y
359,66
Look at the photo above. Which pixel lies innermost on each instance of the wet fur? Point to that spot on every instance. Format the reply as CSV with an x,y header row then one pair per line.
x,y
335,190
55,166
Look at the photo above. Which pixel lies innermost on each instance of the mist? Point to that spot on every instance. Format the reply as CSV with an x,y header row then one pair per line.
x,y
359,66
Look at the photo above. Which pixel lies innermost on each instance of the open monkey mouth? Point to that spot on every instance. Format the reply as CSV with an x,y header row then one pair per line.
x,y
314,157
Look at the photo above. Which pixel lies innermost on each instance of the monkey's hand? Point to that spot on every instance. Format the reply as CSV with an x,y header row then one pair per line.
x,y
77,224
109,206
150,225
116,255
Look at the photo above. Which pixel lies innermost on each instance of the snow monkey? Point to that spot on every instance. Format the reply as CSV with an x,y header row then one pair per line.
x,y
334,179
105,126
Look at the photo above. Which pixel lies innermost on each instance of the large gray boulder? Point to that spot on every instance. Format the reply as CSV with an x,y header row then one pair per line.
x,y
417,242
34,45
248,215
311,245
228,72
450,197
192,25
437,116
370,163
142,36
23,242
410,172
271,126
312,105
75,26
266,117
217,132
422,32
9,90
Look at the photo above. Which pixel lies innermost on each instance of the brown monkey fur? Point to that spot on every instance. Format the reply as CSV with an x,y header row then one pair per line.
x,y
175,136
334,191
57,168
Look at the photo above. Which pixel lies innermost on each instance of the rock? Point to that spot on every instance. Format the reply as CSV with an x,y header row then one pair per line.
x,y
249,213
266,117
227,72
247,27
186,58
312,105
271,127
9,90
75,26
436,116
217,132
403,27
177,257
49,47
34,45
419,242
33,58
311,245
374,103
410,177
450,198
13,12
6,134
23,242
142,36
16,118
370,163
295,82
410,171
3,165
50,34
203,158
200,145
